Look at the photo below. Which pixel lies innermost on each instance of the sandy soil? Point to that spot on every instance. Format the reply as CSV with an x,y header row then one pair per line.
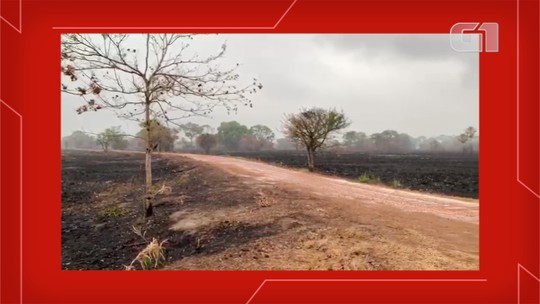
x,y
331,223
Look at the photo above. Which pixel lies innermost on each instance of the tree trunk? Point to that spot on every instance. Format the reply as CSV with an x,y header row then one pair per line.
x,y
148,165
311,160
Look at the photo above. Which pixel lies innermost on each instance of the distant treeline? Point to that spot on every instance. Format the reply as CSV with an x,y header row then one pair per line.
x,y
233,136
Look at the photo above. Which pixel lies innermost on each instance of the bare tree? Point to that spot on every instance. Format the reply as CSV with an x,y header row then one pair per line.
x,y
149,76
312,127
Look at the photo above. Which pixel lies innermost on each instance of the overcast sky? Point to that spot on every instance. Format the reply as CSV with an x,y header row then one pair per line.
x,y
416,84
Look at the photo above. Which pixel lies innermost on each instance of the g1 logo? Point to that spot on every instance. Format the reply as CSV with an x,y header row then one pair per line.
x,y
461,37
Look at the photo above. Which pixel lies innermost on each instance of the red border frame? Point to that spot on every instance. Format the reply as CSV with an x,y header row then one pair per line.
x,y
509,216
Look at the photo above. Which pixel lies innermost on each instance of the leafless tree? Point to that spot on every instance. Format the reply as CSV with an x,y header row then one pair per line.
x,y
149,76
312,127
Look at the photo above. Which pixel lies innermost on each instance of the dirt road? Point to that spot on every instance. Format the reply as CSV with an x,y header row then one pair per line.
x,y
340,224
335,188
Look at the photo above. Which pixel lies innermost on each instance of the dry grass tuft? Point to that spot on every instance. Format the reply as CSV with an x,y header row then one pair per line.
x,y
151,256
165,190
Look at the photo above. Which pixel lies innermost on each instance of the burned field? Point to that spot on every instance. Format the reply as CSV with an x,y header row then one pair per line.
x,y
214,219
453,174
102,197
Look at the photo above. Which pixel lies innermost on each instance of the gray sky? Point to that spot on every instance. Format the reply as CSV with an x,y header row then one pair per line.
x,y
416,84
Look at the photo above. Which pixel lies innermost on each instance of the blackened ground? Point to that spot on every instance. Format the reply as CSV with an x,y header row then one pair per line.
x,y
216,219
446,173
102,201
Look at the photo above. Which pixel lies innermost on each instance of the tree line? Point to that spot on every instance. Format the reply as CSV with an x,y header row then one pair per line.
x,y
229,136
233,136
391,141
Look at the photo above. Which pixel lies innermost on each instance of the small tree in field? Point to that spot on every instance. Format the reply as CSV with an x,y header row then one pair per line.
x,y
104,141
467,135
207,142
149,76
312,128
111,137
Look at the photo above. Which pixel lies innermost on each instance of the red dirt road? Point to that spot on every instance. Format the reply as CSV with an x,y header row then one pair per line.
x,y
460,209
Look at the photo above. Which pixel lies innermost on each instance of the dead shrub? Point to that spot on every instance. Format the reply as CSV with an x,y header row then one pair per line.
x,y
151,257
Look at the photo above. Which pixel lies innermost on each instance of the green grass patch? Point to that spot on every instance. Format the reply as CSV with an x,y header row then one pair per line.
x,y
396,183
112,212
369,179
